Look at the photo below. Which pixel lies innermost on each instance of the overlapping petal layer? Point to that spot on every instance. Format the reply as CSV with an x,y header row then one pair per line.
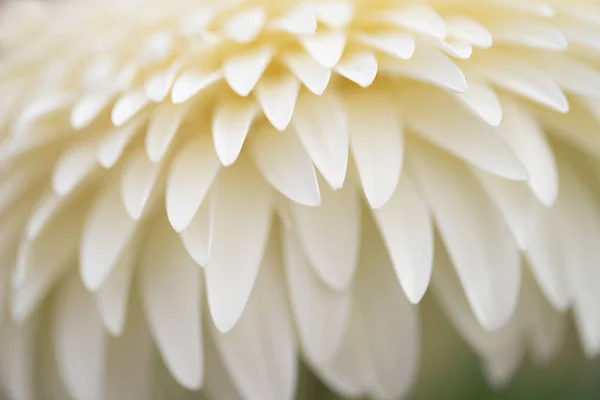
x,y
272,179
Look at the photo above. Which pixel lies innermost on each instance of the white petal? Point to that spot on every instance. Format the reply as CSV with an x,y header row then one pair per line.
x,y
230,125
336,14
300,20
128,361
79,340
107,231
197,237
580,221
74,166
128,105
470,31
516,204
284,163
572,75
389,323
376,141
528,33
398,45
523,79
480,245
139,179
192,174
321,313
112,297
260,351
171,292
322,126
162,127
42,260
312,74
243,71
420,19
326,48
330,235
217,381
429,65
547,258
453,128
18,358
114,142
407,231
191,82
89,107
242,220
277,96
359,67
158,86
546,327
501,350
529,143
245,26
482,101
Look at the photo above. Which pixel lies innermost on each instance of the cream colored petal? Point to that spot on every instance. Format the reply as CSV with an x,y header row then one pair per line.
x,y
322,126
389,323
330,235
407,231
230,126
321,313
79,340
106,232
450,126
192,174
260,350
285,164
171,293
242,221
112,297
479,243
377,144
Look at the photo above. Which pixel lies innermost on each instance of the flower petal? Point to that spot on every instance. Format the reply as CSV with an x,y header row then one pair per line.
x,y
376,141
242,220
284,163
170,280
321,313
264,332
330,234
407,231
79,340
480,245
322,126
192,174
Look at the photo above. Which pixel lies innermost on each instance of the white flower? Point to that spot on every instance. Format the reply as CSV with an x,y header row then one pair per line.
x,y
293,166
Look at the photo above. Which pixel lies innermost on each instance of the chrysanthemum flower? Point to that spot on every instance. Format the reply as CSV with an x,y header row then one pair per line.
x,y
244,184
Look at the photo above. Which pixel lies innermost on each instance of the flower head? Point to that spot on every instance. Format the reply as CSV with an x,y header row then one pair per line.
x,y
276,178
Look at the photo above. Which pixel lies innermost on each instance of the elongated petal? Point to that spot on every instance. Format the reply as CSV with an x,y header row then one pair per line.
x,y
453,128
407,231
377,146
108,229
321,313
192,174
322,126
330,234
79,340
285,164
242,219
479,243
170,280
264,332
